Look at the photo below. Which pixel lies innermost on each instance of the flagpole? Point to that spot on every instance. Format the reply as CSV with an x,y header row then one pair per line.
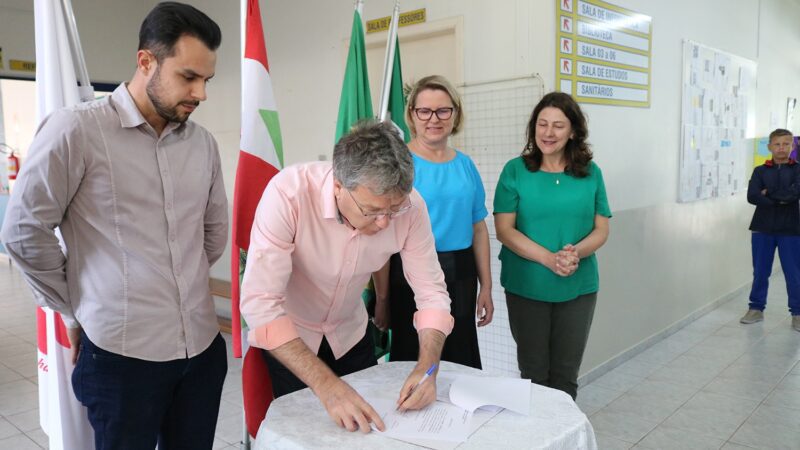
x,y
236,329
85,90
389,62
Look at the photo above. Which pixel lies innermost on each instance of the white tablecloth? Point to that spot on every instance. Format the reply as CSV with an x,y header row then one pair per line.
x,y
299,421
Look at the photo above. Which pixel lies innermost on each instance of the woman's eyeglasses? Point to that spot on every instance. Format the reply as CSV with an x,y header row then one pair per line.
x,y
427,113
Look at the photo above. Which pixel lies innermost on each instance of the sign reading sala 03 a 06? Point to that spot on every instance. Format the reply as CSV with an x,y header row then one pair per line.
x,y
603,53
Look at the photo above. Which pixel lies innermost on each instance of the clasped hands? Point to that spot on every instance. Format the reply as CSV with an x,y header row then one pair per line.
x,y
565,261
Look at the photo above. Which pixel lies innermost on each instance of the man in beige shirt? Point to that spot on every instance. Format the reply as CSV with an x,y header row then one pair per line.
x,y
137,192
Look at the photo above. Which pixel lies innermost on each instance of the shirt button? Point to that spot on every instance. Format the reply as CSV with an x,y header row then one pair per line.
x,y
172,237
169,205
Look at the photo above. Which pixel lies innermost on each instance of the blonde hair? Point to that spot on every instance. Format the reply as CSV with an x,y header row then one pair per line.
x,y
435,83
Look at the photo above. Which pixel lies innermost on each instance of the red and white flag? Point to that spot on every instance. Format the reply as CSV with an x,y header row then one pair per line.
x,y
62,417
260,158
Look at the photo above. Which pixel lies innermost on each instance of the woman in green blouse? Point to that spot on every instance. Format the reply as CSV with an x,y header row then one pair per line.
x,y
551,215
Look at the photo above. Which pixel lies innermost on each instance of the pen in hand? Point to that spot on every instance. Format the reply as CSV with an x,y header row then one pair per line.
x,y
421,380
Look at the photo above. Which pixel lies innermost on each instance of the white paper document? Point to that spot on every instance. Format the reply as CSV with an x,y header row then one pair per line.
x,y
479,418
440,421
463,404
473,392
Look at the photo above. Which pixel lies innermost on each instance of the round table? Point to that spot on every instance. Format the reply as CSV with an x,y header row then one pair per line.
x,y
299,421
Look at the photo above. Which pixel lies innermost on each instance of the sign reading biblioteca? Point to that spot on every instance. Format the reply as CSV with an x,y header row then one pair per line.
x,y
603,53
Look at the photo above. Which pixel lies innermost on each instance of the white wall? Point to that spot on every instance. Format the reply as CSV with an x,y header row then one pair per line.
x,y
108,30
663,261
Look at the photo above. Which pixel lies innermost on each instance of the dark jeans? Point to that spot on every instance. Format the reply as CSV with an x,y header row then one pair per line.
x,y
135,403
357,358
551,338
764,245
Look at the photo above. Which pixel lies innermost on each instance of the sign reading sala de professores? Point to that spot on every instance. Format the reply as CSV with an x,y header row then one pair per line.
x,y
603,53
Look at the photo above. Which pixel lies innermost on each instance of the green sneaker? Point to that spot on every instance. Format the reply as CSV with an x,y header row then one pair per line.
x,y
796,322
753,316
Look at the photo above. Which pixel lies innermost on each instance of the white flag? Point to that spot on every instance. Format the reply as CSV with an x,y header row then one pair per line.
x,y
62,417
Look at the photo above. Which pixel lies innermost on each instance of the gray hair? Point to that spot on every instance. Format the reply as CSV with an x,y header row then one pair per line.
x,y
373,155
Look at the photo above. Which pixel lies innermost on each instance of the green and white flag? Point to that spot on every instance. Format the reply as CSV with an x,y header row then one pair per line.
x,y
356,102
397,99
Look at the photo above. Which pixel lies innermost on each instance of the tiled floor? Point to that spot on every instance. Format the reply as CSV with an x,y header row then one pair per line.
x,y
714,384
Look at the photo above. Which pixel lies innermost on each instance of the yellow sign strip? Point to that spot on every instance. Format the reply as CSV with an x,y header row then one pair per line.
x,y
406,18
22,66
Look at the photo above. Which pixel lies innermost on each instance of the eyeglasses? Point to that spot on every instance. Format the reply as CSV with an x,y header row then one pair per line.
x,y
427,113
376,215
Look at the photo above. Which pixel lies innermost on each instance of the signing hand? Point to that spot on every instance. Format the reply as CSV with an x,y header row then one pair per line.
x,y
348,409
421,395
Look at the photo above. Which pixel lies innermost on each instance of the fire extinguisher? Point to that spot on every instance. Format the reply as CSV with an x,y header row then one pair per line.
x,y
13,166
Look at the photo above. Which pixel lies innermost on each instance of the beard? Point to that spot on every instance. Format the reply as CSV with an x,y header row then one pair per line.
x,y
169,113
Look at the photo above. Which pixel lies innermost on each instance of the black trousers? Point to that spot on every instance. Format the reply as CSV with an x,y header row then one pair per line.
x,y
357,358
551,338
461,277
133,403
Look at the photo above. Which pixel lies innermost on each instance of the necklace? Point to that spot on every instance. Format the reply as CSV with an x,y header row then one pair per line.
x,y
556,173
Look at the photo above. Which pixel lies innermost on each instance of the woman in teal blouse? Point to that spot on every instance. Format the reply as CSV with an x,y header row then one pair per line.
x,y
551,215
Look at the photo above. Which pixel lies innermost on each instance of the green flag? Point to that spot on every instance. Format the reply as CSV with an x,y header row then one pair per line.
x,y
397,100
355,103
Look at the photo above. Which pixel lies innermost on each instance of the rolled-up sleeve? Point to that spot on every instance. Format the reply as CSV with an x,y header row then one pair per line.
x,y
215,219
424,274
268,269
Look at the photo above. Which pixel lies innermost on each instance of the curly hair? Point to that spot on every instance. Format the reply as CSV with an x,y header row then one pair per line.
x,y
576,152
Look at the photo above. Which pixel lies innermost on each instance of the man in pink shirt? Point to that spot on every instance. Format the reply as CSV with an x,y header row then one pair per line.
x,y
320,231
